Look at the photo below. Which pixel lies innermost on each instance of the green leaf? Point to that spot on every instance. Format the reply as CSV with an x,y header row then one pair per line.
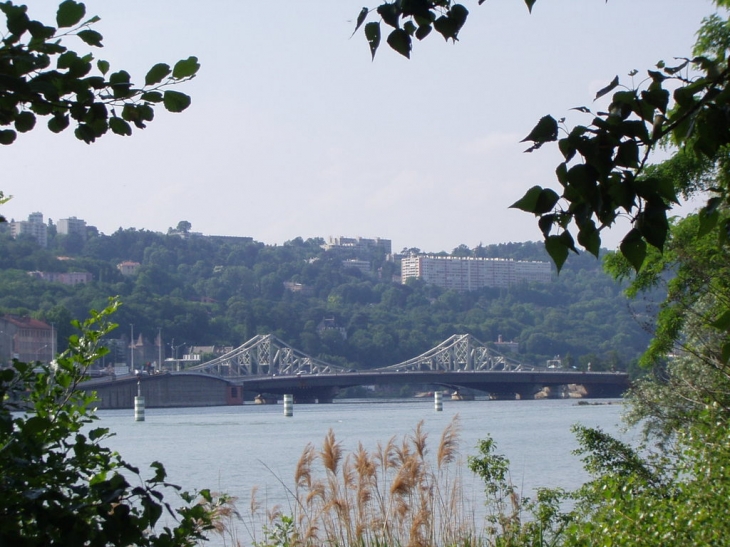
x,y
546,201
7,136
175,101
69,13
709,215
119,126
633,247
152,96
85,133
25,121
157,73
447,27
557,249
186,68
545,223
528,3
459,14
390,14
528,202
590,238
423,31
723,322
653,224
628,154
400,41
610,87
91,37
120,84
361,19
16,17
372,34
546,130
58,122
39,31
103,66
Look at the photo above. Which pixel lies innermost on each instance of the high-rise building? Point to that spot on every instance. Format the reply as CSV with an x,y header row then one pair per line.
x,y
72,225
34,226
468,274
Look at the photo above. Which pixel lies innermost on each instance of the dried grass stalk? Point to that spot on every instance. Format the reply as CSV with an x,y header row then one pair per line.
x,y
391,497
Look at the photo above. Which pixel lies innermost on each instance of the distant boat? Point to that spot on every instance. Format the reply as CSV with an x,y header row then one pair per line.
x,y
261,400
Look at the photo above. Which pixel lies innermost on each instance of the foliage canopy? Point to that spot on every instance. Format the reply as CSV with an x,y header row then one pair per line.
x,y
41,76
60,484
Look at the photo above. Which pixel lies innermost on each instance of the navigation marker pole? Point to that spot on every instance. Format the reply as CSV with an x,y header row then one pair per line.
x,y
437,404
139,403
288,405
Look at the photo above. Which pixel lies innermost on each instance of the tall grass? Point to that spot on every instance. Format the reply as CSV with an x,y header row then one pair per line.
x,y
395,495
398,496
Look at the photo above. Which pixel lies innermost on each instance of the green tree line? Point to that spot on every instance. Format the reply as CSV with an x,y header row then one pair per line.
x,y
223,291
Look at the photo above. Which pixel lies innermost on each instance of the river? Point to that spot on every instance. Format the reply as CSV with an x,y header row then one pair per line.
x,y
233,449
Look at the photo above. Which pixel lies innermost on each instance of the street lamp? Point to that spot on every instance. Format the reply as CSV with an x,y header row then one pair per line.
x,y
174,353
159,347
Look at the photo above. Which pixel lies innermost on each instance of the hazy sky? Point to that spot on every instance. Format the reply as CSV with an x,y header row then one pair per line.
x,y
293,131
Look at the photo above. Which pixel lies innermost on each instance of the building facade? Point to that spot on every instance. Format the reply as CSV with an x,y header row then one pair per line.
x,y
67,278
28,340
468,274
34,227
72,225
128,267
358,243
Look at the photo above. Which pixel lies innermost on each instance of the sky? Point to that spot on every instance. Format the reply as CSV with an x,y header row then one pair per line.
x,y
294,131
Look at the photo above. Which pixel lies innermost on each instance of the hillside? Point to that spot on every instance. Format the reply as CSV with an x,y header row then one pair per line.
x,y
205,291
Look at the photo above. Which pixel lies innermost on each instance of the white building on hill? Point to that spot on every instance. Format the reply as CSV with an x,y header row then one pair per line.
x,y
468,274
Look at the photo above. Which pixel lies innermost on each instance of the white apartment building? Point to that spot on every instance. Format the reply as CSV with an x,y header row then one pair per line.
x,y
34,226
72,225
468,274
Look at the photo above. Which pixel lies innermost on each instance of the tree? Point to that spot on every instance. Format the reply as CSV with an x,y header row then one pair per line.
x,y
184,226
40,76
60,485
607,172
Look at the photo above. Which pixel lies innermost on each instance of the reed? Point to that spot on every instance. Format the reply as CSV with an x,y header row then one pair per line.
x,y
392,496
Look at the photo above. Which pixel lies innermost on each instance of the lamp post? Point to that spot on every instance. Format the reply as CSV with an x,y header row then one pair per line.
x,y
159,348
131,346
174,353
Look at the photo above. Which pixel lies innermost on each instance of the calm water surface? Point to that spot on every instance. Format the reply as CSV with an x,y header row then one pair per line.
x,y
233,449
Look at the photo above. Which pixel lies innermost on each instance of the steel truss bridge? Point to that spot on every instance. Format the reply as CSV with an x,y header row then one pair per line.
x,y
269,367
267,355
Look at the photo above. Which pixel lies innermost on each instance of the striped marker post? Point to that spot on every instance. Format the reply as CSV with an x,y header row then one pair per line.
x,y
289,405
139,404
437,403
